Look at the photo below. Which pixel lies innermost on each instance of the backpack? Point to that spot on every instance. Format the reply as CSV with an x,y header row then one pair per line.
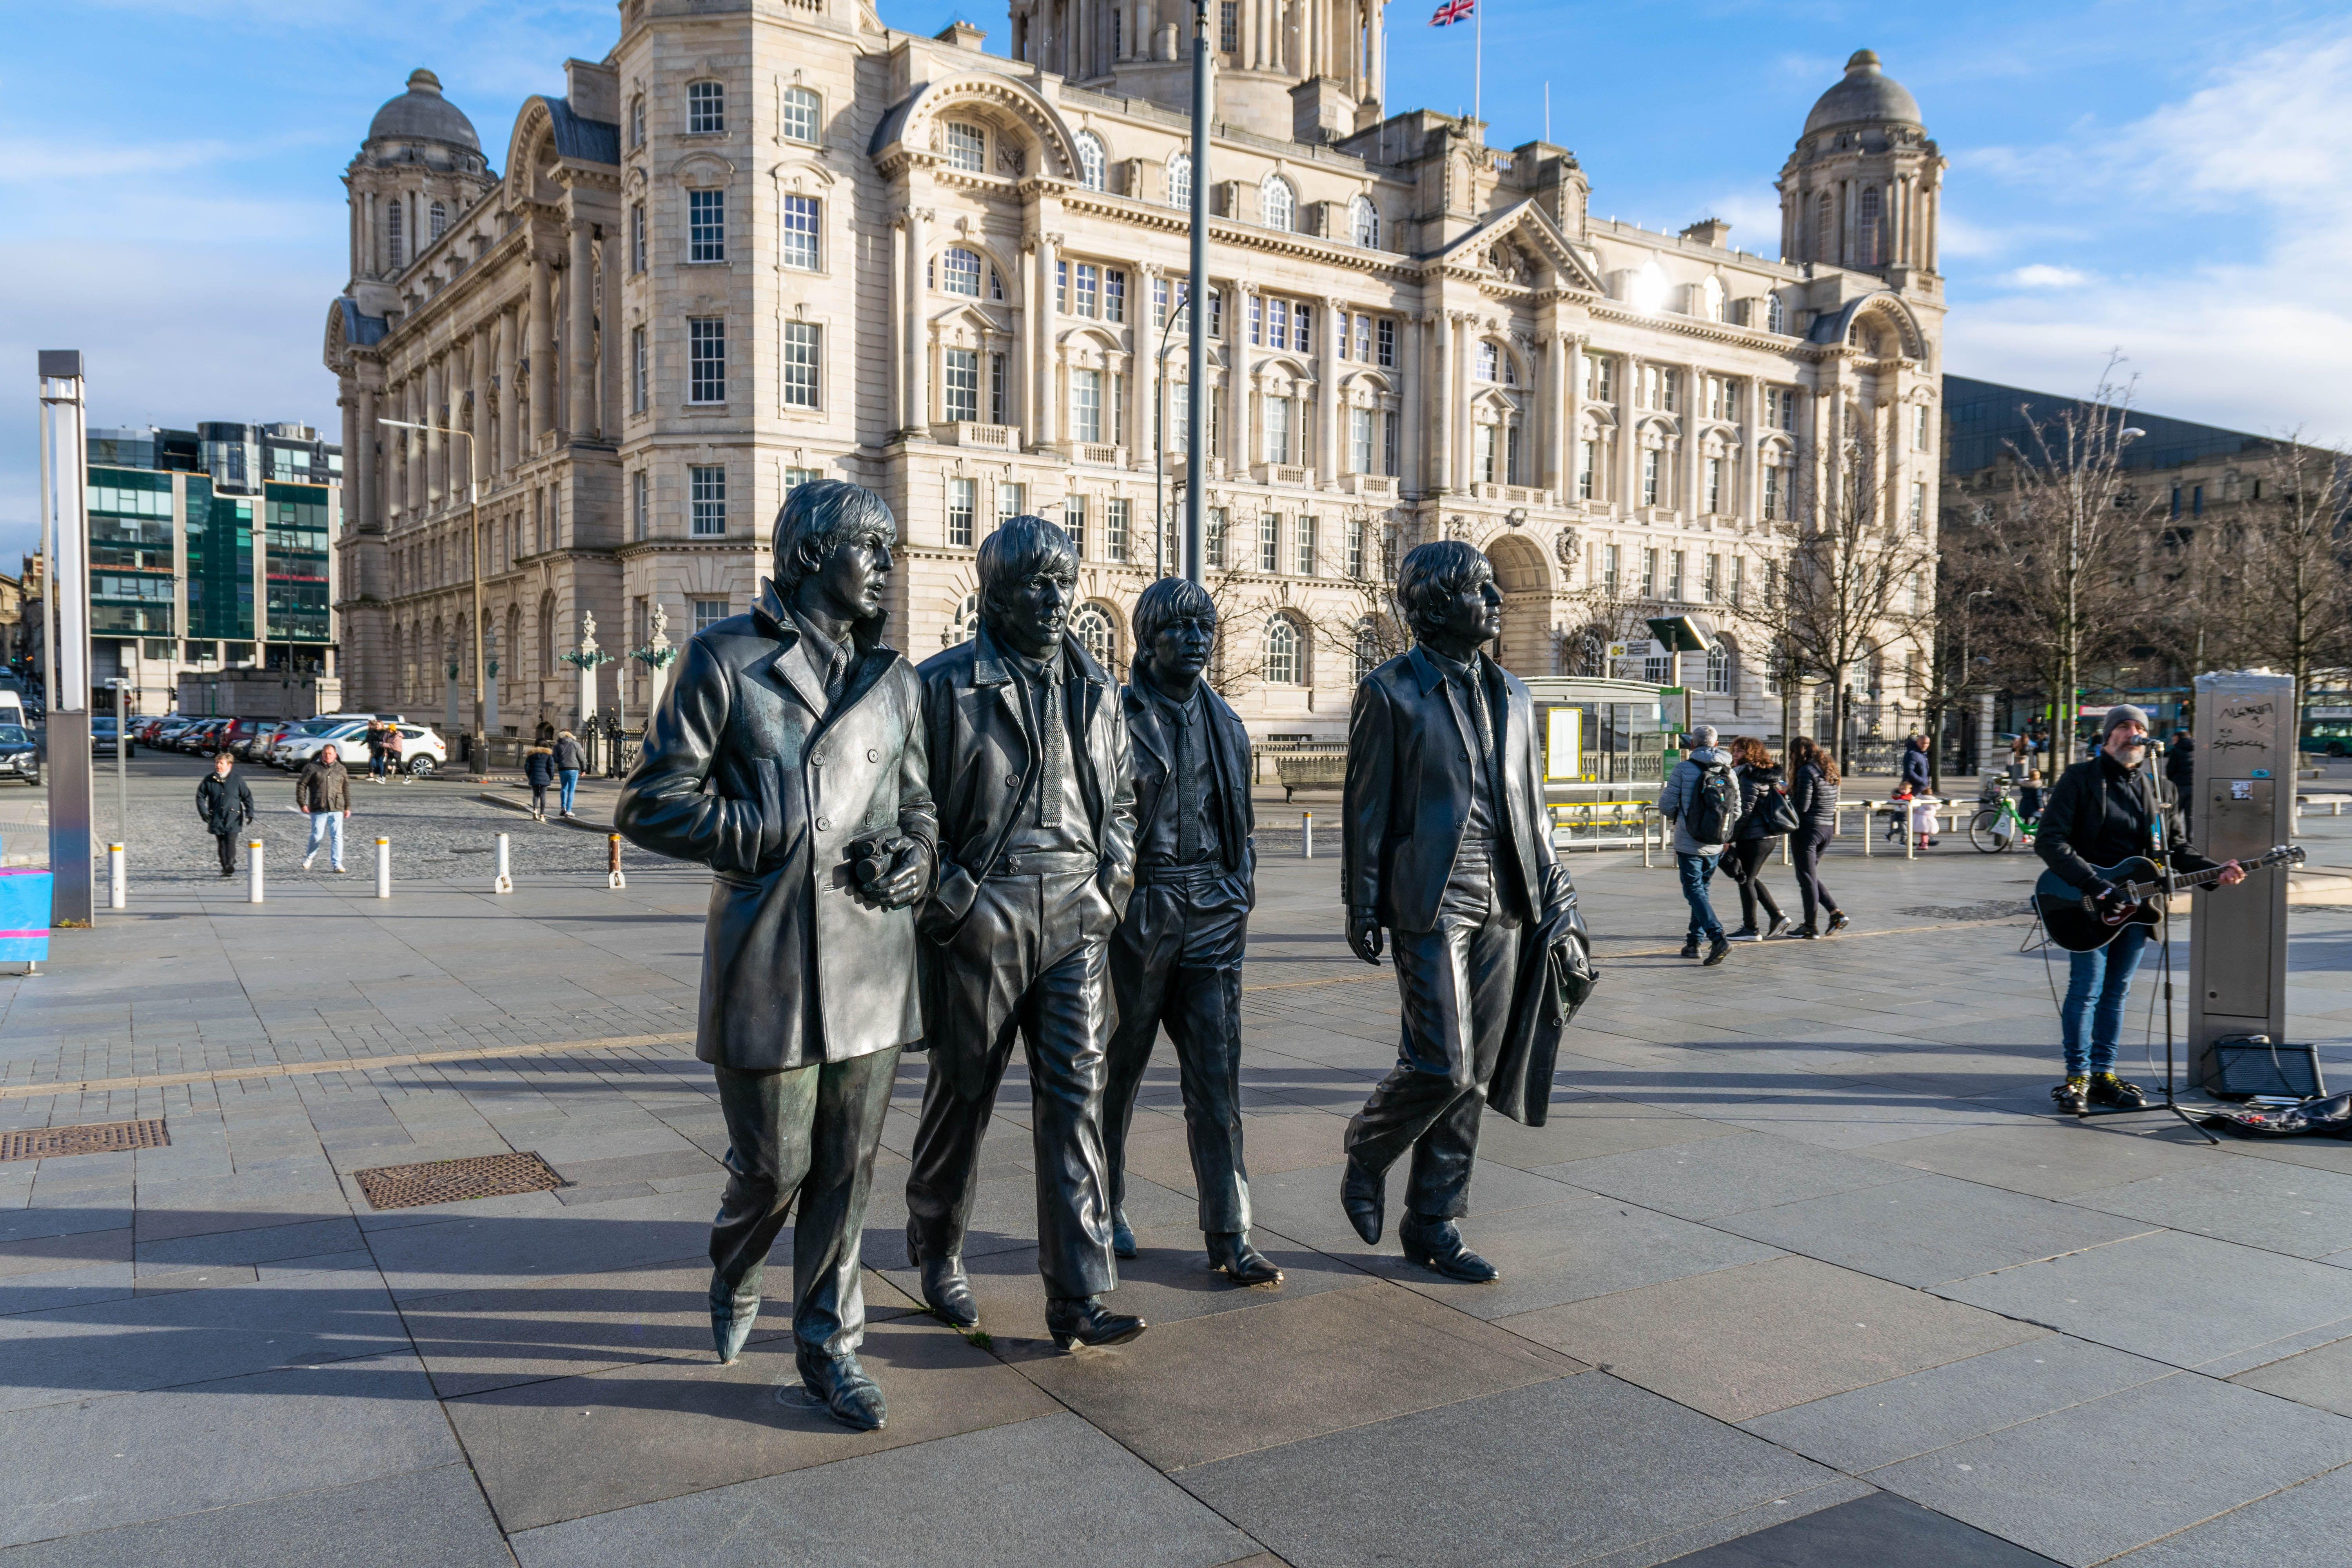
x,y
1714,807
1775,814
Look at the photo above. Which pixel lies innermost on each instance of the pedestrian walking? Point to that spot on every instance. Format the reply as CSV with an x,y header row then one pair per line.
x,y
226,806
1919,774
1813,794
392,754
1702,800
2021,755
1765,819
570,758
322,792
539,771
375,734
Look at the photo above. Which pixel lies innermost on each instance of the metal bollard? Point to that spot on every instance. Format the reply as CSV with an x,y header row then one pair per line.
x,y
118,891
613,877
503,883
1910,840
1307,834
1869,831
384,867
253,871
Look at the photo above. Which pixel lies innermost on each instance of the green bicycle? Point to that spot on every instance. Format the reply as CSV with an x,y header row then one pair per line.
x,y
1997,826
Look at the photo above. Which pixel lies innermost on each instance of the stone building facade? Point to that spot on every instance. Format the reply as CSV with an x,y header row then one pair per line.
x,y
763,242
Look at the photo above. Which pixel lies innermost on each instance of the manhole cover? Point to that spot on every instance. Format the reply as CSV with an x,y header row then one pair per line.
x,y
96,1138
453,1181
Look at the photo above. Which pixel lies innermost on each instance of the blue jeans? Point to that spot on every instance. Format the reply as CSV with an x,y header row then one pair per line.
x,y
571,784
326,830
1695,870
2101,976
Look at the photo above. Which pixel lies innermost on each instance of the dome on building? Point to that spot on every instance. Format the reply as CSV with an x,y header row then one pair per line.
x,y
1867,94
422,114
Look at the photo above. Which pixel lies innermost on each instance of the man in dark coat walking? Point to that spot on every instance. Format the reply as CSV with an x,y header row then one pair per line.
x,y
1029,766
788,757
1177,958
1445,843
226,806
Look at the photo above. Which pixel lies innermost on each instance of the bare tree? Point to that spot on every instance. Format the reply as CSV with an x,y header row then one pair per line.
x,y
1610,607
2295,612
1361,624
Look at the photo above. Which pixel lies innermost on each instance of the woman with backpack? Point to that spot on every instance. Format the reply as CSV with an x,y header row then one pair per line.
x,y
1765,819
1813,794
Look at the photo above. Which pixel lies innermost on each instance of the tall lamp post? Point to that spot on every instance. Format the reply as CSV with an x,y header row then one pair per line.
x,y
65,673
1196,390
477,745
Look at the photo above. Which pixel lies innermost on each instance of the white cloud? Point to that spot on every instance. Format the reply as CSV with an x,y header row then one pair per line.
x,y
2041,275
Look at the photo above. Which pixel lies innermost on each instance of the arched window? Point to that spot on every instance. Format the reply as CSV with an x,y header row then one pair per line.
x,y
1825,228
637,120
1091,160
392,236
1180,180
1719,669
1278,203
1866,240
1776,314
1368,650
964,625
801,111
961,275
1364,223
1092,627
438,216
1282,660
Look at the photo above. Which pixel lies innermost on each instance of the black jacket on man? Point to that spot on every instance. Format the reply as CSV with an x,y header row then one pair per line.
x,y
225,804
751,770
2102,813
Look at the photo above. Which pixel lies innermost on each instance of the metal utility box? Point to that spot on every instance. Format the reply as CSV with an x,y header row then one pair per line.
x,y
2245,806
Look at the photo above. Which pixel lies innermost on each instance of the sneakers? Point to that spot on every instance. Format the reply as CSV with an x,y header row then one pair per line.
x,y
1690,945
2108,1090
1745,933
1838,922
1805,933
2073,1096
1716,951
1781,926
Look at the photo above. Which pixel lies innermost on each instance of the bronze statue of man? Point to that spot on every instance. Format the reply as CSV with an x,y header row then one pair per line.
x,y
1444,844
788,756
1036,853
1177,958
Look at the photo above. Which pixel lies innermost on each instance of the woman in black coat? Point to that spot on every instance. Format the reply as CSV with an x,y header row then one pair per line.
x,y
539,771
1763,807
1814,791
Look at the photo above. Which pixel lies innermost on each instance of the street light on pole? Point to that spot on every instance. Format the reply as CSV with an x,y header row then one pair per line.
x,y
1196,401
478,746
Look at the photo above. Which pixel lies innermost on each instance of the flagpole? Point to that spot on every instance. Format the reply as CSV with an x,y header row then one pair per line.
x,y
1478,60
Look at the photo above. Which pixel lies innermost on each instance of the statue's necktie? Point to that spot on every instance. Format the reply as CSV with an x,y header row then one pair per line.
x,y
1482,717
1188,788
1056,748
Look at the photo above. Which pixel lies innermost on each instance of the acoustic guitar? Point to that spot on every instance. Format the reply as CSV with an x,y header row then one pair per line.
x,y
2079,922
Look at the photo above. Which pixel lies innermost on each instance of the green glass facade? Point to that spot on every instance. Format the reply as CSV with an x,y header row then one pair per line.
x,y
296,564
220,563
131,579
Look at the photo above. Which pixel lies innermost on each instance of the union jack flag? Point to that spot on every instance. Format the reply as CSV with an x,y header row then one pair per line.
x,y
1453,11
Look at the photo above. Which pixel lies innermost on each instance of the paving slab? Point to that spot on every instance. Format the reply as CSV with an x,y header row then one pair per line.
x,y
1880,1530
1738,1342
560,1449
478,1250
1928,1229
1195,1392
2320,1378
2185,1299
2304,1524
435,1516
1589,1129
2259,1203
1882,1423
1043,1493
1305,1204
170,1452
2051,1158
1563,1472
1701,1181
2085,1483
48,1254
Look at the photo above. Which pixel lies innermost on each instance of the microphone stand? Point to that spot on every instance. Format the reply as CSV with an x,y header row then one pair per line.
x,y
2164,970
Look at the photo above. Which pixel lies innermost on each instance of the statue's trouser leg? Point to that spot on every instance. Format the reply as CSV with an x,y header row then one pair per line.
x,y
1064,1020
1455,983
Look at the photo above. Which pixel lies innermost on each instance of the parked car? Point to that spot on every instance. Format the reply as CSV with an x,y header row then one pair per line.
x,y
256,746
346,735
20,754
421,751
103,735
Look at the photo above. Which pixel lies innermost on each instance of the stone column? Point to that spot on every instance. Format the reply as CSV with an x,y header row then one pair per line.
x,y
1458,383
477,454
1143,400
1752,449
542,350
368,502
502,459
914,353
1327,394
1043,423
1441,393
579,337
1693,444
436,384
1572,415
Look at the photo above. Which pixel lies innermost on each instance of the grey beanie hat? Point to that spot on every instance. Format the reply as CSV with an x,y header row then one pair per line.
x,y
2121,714
1703,734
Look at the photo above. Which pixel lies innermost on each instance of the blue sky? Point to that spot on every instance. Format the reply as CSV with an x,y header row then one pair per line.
x,y
2171,181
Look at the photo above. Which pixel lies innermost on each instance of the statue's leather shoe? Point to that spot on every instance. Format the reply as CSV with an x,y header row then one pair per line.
x,y
731,1317
1244,1264
947,1290
1436,1246
1085,1321
1364,1196
1122,1236
844,1388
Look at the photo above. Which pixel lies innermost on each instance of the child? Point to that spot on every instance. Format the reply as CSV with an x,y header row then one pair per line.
x,y
2029,798
1900,799
1923,819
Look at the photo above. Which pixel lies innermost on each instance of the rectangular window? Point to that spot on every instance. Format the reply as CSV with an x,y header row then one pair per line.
x,y
1608,565
1515,471
962,501
705,360
1116,519
1256,317
1074,523
1738,576
967,148
802,340
1919,428
637,370
1364,338
637,237
795,478
1674,575
1587,469
1118,406
1229,26
1388,344
706,226
706,108
1389,442
1180,416
1113,294
1710,582
1062,287
1011,499
799,241
1600,378
800,114
1715,485
1649,573
1277,429
1212,537
959,385
1488,358
1000,403
1159,303
1306,546
1086,404
641,504
1486,453
707,613
708,490
1356,549
1279,323
1217,313
1269,542
1346,335
1918,507
1650,478
1787,410
1359,440
1772,495
1089,286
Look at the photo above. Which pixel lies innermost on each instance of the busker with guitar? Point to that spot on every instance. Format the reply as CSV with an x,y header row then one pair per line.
x,y
2103,813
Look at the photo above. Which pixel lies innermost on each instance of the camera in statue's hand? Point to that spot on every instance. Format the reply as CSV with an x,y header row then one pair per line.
x,y
888,870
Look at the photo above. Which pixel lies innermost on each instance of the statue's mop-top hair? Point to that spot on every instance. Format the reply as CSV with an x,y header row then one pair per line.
x,y
1433,572
1020,548
825,513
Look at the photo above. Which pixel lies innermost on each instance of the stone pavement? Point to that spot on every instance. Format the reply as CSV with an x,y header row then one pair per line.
x,y
1800,1272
